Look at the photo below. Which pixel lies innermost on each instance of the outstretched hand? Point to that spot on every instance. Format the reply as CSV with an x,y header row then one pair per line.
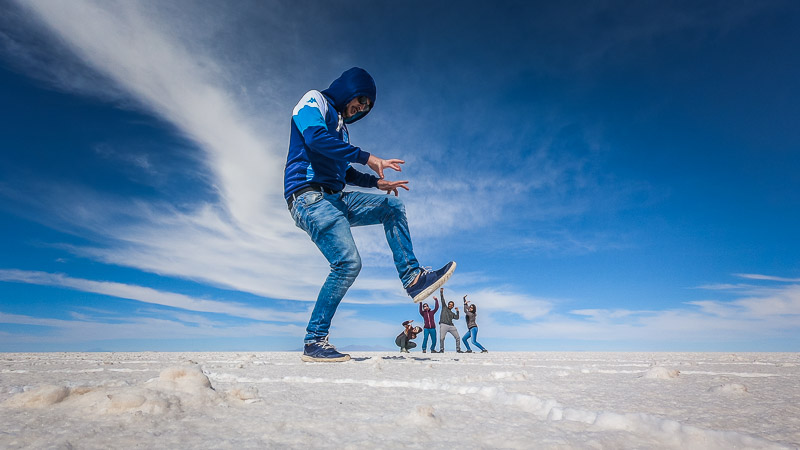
x,y
391,186
378,164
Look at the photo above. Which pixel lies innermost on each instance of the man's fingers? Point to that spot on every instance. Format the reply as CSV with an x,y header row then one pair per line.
x,y
395,164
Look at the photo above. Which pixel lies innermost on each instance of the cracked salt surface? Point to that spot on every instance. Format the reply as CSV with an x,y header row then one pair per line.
x,y
508,400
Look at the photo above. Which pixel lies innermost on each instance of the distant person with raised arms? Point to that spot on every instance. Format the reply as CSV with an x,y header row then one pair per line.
x,y
318,167
446,323
429,325
470,311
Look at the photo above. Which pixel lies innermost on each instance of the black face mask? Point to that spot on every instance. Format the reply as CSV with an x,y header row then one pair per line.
x,y
354,117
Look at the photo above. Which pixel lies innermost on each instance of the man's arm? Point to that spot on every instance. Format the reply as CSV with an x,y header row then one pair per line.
x,y
358,178
309,118
436,301
322,141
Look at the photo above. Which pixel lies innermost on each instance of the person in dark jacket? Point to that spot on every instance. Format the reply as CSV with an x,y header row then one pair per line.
x,y
318,167
470,311
403,339
446,323
429,325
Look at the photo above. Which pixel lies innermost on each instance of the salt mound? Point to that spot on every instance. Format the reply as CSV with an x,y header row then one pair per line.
x,y
39,397
173,390
661,373
423,416
730,388
184,379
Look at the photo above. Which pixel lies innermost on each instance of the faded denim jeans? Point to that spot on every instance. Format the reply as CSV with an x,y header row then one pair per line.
x,y
473,332
327,219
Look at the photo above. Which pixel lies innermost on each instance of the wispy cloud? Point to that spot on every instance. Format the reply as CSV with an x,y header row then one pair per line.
x,y
87,329
152,296
156,68
751,276
760,313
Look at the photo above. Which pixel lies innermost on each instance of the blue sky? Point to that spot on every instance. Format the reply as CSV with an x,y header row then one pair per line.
x,y
608,175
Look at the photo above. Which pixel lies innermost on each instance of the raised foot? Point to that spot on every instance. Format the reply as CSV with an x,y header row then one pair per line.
x,y
429,281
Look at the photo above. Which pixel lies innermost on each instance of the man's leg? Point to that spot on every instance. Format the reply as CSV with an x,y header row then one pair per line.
x,y
371,209
442,334
454,330
326,224
433,340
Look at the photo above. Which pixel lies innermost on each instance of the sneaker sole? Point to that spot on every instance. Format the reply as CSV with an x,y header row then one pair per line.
x,y
307,358
439,283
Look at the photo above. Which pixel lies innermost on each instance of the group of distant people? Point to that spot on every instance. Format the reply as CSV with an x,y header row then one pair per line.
x,y
410,332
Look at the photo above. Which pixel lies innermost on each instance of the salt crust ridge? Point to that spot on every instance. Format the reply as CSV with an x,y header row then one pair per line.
x,y
174,388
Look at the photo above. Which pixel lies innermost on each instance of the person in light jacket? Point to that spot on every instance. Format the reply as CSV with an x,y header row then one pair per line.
x,y
470,311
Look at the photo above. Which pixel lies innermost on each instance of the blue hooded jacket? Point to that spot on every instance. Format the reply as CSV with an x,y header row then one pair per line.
x,y
319,145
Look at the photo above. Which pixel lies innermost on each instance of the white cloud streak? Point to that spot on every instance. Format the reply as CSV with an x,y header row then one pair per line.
x,y
751,276
758,312
88,330
152,296
129,45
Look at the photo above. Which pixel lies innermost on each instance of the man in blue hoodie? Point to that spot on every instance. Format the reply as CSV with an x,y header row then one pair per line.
x,y
317,169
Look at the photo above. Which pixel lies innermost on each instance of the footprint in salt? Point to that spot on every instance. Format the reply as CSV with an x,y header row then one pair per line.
x,y
729,389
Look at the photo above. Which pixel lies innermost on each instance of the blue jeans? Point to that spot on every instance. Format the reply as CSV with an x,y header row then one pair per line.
x,y
474,333
432,333
327,219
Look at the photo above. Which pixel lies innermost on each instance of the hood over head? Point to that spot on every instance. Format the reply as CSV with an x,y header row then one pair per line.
x,y
353,83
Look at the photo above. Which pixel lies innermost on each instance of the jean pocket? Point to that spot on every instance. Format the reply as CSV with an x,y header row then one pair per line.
x,y
309,198
301,204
